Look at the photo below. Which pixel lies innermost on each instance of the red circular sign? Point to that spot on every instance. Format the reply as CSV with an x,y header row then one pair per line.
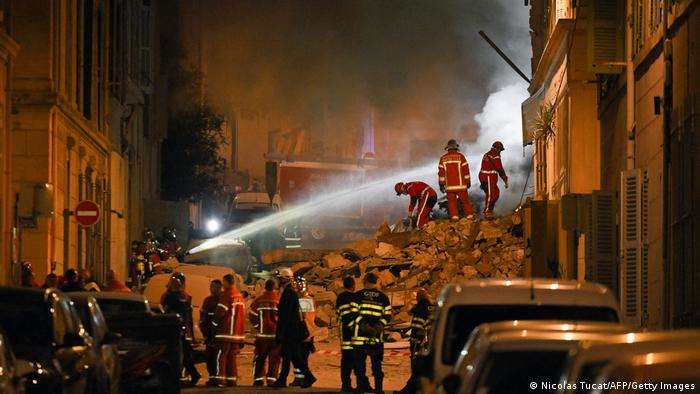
x,y
87,213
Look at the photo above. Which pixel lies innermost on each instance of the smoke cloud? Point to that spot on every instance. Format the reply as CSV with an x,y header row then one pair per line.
x,y
417,66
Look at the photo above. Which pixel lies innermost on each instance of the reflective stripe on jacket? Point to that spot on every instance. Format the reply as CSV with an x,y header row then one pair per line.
x,y
453,171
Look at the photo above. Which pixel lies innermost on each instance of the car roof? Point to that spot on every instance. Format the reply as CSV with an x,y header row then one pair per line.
x,y
27,292
536,291
109,295
551,325
630,344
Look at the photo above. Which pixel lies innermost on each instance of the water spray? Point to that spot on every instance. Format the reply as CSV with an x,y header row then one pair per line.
x,y
323,202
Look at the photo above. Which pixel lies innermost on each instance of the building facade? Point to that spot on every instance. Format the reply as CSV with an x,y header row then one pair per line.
x,y
639,89
82,129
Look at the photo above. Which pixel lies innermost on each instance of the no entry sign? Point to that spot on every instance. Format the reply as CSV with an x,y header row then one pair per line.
x,y
87,213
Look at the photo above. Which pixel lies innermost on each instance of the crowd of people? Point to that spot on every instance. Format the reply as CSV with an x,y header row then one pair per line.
x,y
282,331
71,280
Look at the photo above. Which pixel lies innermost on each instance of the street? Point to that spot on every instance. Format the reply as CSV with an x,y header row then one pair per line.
x,y
325,364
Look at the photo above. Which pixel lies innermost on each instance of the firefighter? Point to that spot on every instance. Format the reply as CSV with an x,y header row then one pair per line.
x,y
175,300
346,310
373,314
230,322
454,179
27,277
292,332
208,327
491,169
421,315
423,199
263,317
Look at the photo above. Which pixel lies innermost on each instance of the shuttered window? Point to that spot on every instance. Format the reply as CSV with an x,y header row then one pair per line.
x,y
634,246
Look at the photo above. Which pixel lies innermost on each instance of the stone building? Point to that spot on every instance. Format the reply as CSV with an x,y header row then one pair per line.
x,y
83,126
639,70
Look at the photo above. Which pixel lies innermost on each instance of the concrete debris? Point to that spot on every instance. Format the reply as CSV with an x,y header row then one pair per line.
x,y
443,251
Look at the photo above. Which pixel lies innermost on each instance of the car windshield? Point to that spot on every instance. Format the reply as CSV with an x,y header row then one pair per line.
x,y
248,214
26,320
462,319
117,307
513,371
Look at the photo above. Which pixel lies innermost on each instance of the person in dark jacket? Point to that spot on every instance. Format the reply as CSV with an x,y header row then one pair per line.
x,y
73,282
373,314
291,332
208,328
175,300
346,311
421,320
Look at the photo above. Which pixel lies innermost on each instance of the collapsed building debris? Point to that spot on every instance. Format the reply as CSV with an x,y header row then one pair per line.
x,y
406,261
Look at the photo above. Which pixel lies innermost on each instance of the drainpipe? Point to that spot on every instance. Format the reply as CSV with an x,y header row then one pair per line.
x,y
630,162
667,107
70,143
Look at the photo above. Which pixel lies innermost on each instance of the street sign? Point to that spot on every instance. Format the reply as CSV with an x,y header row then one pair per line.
x,y
87,213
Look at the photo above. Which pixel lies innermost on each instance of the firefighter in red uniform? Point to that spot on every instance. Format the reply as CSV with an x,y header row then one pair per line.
x,y
229,319
423,199
263,317
453,173
491,169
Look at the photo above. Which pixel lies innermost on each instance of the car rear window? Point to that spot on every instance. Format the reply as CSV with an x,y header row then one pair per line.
x,y
26,321
117,307
462,319
513,371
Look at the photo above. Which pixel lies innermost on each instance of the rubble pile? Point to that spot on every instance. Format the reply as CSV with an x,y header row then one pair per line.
x,y
406,261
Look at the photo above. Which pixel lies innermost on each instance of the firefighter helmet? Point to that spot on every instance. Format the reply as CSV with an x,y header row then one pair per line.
x,y
179,276
399,188
498,145
452,144
284,273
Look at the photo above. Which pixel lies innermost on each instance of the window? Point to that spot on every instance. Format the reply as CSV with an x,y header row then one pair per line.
x,y
461,320
512,371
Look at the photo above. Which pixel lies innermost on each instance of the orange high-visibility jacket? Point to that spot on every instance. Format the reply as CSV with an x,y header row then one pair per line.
x,y
263,314
229,317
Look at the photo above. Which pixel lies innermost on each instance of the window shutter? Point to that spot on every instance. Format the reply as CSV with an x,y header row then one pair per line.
x,y
601,240
606,36
631,253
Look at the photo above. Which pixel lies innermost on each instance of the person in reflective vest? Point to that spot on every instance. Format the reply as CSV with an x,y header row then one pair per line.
x,y
423,199
454,179
208,329
491,169
346,311
292,332
230,331
373,314
263,317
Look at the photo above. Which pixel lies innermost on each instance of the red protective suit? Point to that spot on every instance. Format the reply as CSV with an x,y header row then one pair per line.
x,y
454,178
229,320
423,199
491,169
263,317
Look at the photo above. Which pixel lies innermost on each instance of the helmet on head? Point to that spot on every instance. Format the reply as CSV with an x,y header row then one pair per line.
x,y
498,145
284,273
452,144
399,188
179,276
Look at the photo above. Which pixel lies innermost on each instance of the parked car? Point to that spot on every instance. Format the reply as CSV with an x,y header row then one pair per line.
x,y
453,380
106,376
44,329
150,350
505,358
592,362
463,306
669,372
13,371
